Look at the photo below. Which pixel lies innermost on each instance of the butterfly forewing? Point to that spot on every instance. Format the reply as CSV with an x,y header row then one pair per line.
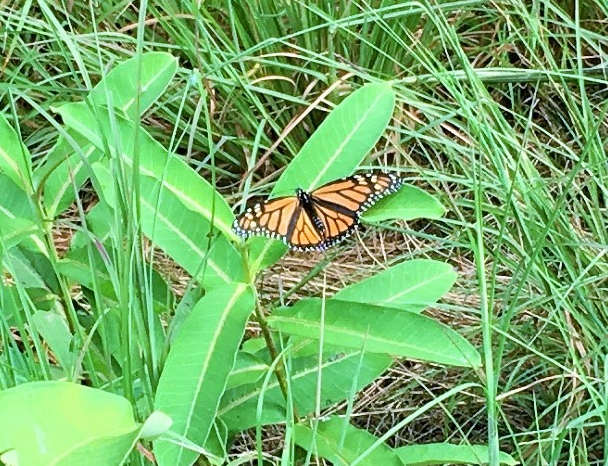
x,y
359,192
271,218
344,194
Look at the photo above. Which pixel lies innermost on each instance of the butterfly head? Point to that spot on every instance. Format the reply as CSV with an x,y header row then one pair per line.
x,y
302,195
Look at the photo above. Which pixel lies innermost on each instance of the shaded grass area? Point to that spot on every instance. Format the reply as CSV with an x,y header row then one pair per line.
x,y
501,113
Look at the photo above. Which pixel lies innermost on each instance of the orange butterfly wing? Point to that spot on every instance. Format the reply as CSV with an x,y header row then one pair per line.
x,y
340,203
283,219
305,236
331,215
271,218
359,192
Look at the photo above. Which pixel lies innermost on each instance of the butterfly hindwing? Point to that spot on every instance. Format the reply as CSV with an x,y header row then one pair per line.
x,y
337,225
306,235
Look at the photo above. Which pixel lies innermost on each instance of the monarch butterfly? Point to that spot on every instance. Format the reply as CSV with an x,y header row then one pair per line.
x,y
319,219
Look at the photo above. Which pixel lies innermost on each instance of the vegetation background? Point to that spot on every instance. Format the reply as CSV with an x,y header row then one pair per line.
x,y
500,114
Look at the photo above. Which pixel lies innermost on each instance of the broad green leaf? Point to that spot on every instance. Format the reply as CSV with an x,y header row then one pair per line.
x,y
341,443
183,309
179,207
217,442
90,270
77,267
15,159
378,330
442,453
197,368
64,181
299,348
121,88
14,231
181,233
341,142
14,201
50,423
411,285
64,146
108,334
32,269
263,252
99,221
170,172
56,333
408,203
87,267
17,225
66,170
247,369
339,375
11,301
188,237
107,451
79,118
333,151
256,346
209,456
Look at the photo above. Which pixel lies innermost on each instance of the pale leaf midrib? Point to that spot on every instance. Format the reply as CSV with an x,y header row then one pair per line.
x,y
345,141
10,162
417,286
275,384
238,291
204,256
129,103
342,330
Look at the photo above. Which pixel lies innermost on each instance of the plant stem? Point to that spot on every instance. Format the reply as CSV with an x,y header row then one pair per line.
x,y
280,371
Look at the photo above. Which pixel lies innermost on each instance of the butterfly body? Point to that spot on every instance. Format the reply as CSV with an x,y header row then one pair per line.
x,y
321,218
307,205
